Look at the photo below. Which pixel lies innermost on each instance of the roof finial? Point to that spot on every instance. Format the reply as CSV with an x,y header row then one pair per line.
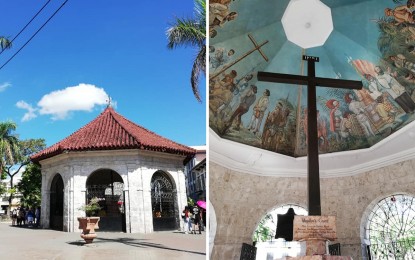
x,y
108,101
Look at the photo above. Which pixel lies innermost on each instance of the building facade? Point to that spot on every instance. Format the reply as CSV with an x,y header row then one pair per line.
x,y
137,175
4,198
196,175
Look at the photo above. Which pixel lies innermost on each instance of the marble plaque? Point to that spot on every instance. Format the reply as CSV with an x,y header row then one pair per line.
x,y
315,227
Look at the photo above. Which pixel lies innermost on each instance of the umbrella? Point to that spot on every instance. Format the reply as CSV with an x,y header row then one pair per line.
x,y
201,204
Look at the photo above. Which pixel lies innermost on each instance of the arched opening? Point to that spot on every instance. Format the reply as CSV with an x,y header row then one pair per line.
x,y
108,186
390,228
164,202
212,227
56,203
269,247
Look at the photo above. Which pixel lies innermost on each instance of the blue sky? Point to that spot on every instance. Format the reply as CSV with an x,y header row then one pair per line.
x,y
60,81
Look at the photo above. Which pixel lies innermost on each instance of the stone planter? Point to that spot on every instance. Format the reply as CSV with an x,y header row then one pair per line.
x,y
88,226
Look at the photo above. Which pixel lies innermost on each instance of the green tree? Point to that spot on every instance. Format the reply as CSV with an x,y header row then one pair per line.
x,y
190,202
5,43
25,148
30,186
191,32
8,145
263,232
3,188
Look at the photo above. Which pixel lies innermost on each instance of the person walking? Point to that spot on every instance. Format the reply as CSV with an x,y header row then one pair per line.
x,y
30,217
196,220
21,217
186,220
37,217
14,217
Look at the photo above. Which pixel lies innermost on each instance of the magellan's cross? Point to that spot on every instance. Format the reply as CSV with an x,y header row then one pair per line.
x,y
313,179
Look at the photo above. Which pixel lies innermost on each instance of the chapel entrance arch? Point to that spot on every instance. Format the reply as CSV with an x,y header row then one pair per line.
x,y
108,186
164,202
270,247
56,203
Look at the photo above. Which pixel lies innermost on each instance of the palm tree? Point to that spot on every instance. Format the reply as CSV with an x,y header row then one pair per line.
x,y
5,43
191,32
8,144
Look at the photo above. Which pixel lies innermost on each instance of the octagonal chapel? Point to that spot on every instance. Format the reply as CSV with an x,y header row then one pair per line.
x,y
137,175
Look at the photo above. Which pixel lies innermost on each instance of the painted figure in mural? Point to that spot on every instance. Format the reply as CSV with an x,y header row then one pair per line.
x,y
221,93
228,80
273,132
335,117
321,130
375,92
364,96
373,86
241,86
357,108
395,89
401,14
224,2
400,61
345,126
259,111
385,110
247,99
370,105
219,14
220,58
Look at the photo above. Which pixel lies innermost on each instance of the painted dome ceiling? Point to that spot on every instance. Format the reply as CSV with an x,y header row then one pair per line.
x,y
372,41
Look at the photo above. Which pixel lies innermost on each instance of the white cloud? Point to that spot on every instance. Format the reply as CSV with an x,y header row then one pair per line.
x,y
4,86
30,114
60,103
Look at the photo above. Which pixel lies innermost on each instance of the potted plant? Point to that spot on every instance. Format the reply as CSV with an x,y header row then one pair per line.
x,y
89,223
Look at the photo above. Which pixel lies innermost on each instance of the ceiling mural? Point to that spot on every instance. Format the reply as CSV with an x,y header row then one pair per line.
x,y
372,41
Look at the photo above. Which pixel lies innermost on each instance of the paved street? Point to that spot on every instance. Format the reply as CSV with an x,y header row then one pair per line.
x,y
25,243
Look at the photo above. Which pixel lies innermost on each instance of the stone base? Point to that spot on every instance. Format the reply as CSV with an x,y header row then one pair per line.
x,y
315,247
320,257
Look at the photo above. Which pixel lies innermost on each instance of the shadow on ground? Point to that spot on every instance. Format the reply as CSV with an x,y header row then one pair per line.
x,y
133,242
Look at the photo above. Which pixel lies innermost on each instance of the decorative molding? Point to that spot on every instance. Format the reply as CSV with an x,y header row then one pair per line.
x,y
398,147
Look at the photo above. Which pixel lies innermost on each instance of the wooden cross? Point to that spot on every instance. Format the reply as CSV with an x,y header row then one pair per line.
x,y
311,81
256,48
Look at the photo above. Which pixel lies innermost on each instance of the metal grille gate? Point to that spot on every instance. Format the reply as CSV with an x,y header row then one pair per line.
x,y
111,201
164,203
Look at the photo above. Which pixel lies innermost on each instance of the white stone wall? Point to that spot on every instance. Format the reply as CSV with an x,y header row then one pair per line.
x,y
136,169
241,200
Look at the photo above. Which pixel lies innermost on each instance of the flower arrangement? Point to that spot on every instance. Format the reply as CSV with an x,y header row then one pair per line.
x,y
91,209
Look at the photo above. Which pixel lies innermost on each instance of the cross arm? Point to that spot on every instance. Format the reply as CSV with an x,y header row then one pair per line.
x,y
306,80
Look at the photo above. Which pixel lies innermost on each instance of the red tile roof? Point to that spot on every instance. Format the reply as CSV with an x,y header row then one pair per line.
x,y
111,131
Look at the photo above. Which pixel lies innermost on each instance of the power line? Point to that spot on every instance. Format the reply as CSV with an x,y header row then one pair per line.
x,y
60,7
28,23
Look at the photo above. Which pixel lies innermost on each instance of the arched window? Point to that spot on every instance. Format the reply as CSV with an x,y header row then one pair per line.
x,y
390,228
264,235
